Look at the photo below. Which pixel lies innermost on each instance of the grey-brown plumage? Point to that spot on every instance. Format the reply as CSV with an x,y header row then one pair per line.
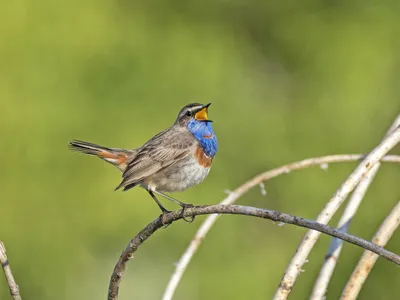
x,y
163,150
172,160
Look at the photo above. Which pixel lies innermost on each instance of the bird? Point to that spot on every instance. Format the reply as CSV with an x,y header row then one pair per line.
x,y
173,160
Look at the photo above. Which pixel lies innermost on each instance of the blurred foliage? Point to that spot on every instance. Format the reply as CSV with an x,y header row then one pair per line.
x,y
287,79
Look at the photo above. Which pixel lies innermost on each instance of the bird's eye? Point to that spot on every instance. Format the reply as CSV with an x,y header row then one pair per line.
x,y
189,113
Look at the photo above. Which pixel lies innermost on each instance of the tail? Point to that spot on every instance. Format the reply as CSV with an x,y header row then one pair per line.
x,y
116,157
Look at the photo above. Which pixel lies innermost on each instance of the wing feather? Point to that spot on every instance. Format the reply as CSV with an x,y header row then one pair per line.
x,y
163,150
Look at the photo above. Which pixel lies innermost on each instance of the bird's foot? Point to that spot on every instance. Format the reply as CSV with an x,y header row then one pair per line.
x,y
162,216
185,206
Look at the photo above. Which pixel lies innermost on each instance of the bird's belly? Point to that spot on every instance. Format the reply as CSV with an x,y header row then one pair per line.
x,y
179,176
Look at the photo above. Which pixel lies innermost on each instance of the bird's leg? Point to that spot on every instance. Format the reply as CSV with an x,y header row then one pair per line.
x,y
181,204
163,209
176,201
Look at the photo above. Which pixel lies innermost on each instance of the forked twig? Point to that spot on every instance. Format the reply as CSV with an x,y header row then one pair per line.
x,y
276,216
311,237
336,245
368,259
332,257
236,194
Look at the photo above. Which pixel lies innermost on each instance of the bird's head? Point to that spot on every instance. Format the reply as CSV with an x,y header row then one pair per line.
x,y
194,112
194,118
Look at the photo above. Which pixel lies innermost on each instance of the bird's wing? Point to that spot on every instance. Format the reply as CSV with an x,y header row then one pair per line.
x,y
163,150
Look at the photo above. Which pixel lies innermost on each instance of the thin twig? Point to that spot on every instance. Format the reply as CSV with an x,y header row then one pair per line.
x,y
368,259
396,124
236,194
276,216
233,196
311,237
336,245
335,248
14,289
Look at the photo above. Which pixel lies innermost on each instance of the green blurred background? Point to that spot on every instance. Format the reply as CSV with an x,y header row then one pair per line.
x,y
287,80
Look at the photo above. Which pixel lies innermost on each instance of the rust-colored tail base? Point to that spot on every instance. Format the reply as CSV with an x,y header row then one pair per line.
x,y
116,157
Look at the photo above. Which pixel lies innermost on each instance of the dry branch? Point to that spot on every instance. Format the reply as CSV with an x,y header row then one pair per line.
x,y
368,259
276,216
336,245
14,289
236,194
335,248
311,237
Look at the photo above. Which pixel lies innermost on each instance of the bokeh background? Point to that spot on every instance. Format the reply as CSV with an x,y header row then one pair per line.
x,y
288,80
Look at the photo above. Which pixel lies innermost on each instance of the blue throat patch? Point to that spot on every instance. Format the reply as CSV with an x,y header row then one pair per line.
x,y
204,133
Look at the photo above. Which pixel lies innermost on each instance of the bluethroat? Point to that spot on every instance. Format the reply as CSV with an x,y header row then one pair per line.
x,y
173,160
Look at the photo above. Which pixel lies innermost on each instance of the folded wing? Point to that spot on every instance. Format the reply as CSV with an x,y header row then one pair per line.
x,y
163,150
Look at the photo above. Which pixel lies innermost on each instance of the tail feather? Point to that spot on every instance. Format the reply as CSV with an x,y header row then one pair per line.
x,y
87,148
116,157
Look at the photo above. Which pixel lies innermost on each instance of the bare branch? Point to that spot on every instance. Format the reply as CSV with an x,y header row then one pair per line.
x,y
396,124
368,259
311,237
336,245
276,216
335,248
14,289
236,194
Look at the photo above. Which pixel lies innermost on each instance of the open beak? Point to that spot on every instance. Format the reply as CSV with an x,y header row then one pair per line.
x,y
202,114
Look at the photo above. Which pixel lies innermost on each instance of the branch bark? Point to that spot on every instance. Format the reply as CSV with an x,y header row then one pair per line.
x,y
240,191
335,248
368,259
336,245
311,237
14,289
276,216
